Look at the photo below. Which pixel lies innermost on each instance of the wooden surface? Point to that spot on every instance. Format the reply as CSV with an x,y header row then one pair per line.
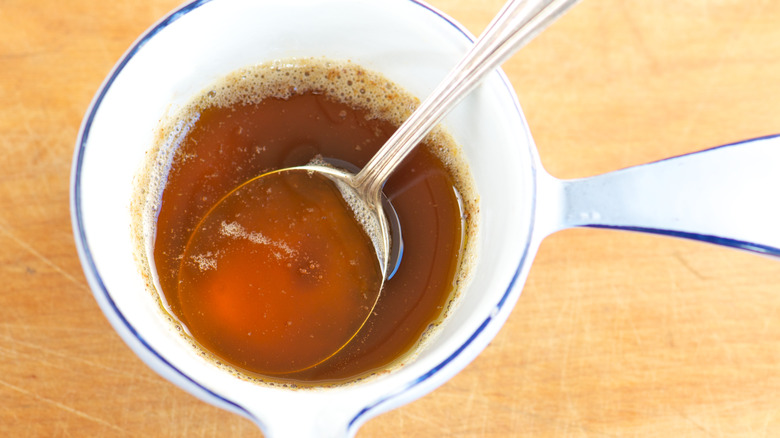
x,y
616,334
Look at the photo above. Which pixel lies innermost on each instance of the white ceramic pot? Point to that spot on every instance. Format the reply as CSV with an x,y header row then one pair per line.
x,y
721,195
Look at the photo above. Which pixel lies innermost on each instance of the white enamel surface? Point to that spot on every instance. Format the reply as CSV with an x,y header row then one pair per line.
x,y
724,195
413,46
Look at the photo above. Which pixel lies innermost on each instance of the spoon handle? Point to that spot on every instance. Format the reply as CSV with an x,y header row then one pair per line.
x,y
727,195
515,25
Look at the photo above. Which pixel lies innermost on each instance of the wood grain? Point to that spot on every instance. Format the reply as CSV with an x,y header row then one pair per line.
x,y
616,334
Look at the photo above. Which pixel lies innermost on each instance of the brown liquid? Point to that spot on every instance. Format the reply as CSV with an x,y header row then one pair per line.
x,y
279,275
231,144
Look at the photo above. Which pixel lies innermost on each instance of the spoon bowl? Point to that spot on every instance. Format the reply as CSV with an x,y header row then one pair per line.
x,y
515,25
277,276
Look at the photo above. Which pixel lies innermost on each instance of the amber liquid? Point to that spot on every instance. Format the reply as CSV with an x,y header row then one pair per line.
x,y
230,145
279,275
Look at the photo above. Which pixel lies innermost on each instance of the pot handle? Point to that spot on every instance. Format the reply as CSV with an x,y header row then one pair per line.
x,y
728,195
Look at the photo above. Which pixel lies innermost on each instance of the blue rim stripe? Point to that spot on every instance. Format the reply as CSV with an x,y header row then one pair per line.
x,y
92,272
504,298
728,145
717,240
91,268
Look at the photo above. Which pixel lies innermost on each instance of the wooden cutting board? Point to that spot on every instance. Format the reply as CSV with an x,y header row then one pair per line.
x,y
616,334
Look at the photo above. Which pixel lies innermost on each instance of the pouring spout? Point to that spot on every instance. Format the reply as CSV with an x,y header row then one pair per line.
x,y
302,413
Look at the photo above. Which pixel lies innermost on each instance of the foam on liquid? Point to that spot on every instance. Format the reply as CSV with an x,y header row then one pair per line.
x,y
341,81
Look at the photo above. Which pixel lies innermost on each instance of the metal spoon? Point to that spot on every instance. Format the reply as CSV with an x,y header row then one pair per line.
x,y
515,25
